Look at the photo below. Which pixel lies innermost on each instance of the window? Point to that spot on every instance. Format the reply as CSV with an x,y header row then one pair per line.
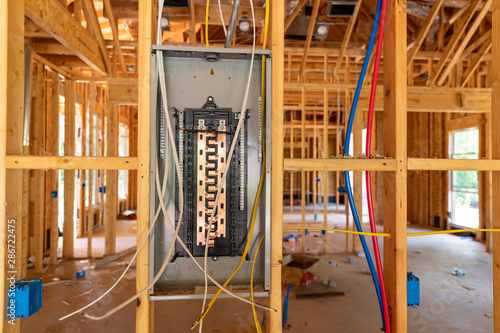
x,y
123,150
464,194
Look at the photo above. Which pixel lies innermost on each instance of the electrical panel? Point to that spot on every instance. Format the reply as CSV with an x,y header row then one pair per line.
x,y
205,89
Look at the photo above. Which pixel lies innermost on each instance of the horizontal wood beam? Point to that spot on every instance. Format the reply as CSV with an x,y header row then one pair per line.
x,y
452,164
106,79
50,46
339,164
420,99
54,18
71,163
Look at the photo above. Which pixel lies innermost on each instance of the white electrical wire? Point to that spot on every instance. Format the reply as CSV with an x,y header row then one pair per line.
x,y
228,162
222,19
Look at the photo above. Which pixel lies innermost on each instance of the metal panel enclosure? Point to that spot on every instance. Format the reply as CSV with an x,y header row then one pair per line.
x,y
190,80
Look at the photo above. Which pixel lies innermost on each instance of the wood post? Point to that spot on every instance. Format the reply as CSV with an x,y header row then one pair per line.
x,y
495,144
277,47
11,142
90,185
144,310
358,175
69,175
39,149
395,132
111,181
54,186
325,173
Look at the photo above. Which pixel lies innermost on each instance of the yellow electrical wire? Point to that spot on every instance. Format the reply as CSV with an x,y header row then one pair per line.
x,y
206,23
257,324
454,231
378,234
263,172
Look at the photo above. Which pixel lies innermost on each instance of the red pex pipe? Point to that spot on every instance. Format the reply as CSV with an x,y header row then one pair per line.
x,y
368,175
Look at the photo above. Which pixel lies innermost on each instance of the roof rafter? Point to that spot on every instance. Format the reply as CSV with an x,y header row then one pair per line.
x,y
310,32
347,38
463,44
422,32
53,17
461,25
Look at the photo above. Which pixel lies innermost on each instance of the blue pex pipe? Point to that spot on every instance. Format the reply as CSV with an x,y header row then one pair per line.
x,y
346,152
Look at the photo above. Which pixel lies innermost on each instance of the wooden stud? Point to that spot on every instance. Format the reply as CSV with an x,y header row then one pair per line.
x,y
39,149
495,144
358,175
11,142
54,188
144,309
395,129
111,181
303,173
277,48
69,175
90,185
325,173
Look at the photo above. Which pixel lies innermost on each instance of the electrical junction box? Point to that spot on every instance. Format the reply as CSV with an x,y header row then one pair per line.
x,y
205,89
25,298
413,289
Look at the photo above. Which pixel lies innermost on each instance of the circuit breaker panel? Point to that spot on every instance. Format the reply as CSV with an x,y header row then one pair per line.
x,y
205,89
204,136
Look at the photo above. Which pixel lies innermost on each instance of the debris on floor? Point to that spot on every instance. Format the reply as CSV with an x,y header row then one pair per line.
x,y
418,251
316,290
457,272
302,270
468,288
488,315
350,260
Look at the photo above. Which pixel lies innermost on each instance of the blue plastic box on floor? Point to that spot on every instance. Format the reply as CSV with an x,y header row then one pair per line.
x,y
25,298
413,289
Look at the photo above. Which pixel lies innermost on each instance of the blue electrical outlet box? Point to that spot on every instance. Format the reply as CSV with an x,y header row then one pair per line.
x,y
413,289
25,298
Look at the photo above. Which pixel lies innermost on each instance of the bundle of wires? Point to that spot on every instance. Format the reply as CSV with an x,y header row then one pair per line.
x,y
377,278
161,196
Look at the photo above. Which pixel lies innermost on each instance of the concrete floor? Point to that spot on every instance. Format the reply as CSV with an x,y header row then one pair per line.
x,y
448,303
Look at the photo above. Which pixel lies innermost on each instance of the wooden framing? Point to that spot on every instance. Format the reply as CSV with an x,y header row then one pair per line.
x,y
11,142
4,106
116,37
277,48
69,175
463,63
39,149
395,133
51,16
144,311
495,121
111,181
54,209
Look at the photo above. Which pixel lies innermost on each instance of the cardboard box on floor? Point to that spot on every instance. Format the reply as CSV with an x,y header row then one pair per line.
x,y
302,270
